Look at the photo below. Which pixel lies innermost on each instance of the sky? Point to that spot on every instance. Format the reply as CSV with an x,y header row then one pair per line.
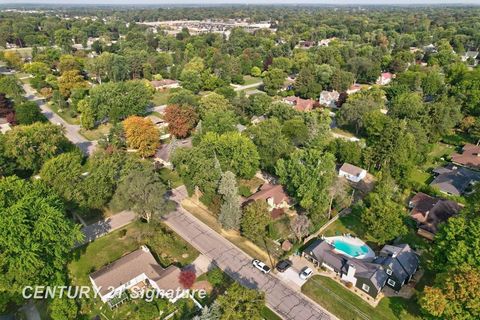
x,y
210,2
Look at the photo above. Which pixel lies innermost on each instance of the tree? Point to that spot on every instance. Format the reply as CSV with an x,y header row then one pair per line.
x,y
273,80
338,191
296,130
181,119
211,312
255,71
353,112
28,113
444,115
307,175
255,220
87,114
37,238
11,87
213,102
259,104
63,308
70,80
407,106
34,144
454,295
142,192
230,211
300,226
241,303
13,59
187,278
235,152
37,69
270,141
306,86
191,80
141,134
63,39
219,122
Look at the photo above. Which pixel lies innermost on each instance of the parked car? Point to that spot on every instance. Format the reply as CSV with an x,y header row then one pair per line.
x,y
283,265
306,273
261,266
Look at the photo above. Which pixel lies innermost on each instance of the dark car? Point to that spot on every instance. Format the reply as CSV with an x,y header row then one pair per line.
x,y
283,265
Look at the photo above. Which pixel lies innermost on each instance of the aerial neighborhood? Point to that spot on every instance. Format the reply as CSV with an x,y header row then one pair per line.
x,y
214,162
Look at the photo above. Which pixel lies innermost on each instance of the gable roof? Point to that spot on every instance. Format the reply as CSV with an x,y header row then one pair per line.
x,y
454,180
470,156
400,259
351,169
268,191
300,104
163,82
132,265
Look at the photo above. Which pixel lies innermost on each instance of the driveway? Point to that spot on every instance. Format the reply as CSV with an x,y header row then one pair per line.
x,y
101,228
71,130
286,301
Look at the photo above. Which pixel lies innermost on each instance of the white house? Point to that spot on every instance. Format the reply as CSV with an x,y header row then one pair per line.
x,y
352,173
329,98
137,269
385,78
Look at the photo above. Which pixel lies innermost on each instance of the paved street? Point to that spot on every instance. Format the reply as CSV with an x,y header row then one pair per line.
x,y
71,131
284,300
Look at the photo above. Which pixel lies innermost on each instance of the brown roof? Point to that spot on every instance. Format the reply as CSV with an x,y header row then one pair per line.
x,y
132,265
301,104
430,212
351,169
163,82
267,191
470,156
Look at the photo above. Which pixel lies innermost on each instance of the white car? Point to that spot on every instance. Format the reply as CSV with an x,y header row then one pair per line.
x,y
306,273
261,266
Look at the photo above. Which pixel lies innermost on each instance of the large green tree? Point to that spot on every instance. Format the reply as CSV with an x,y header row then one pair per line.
x,y
241,303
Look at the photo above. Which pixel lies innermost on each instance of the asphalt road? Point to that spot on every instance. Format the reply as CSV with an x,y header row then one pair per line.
x,y
71,131
284,300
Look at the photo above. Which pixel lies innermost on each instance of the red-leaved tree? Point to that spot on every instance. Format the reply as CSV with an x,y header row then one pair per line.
x,y
187,278
181,120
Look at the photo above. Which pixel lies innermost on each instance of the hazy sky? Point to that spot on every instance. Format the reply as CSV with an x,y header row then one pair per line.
x,y
330,2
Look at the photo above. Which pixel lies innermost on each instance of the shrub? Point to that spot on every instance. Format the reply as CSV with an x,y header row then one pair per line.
x,y
244,191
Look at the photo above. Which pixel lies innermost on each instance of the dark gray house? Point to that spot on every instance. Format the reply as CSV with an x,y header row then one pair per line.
x,y
367,275
454,180
400,264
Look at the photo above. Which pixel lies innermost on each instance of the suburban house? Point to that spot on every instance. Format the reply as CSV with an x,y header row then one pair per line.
x,y
137,269
163,154
276,198
472,56
300,104
400,264
165,84
288,84
352,173
385,78
470,156
354,88
305,44
454,180
429,212
329,98
393,267
326,42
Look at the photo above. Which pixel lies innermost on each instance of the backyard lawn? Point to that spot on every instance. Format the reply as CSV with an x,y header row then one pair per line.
x,y
251,80
165,245
64,114
347,305
170,178
97,133
160,97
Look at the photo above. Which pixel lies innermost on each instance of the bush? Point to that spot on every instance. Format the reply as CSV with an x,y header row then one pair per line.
x,y
215,277
244,191
349,285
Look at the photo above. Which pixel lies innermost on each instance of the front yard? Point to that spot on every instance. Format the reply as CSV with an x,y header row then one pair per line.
x,y
166,246
99,132
160,97
347,305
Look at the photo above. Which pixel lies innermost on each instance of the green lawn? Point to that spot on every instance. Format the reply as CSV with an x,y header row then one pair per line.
x,y
170,178
419,176
251,80
160,97
347,305
97,133
165,245
64,114
268,314
349,223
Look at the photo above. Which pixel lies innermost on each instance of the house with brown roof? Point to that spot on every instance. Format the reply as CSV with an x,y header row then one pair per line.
x,y
470,156
137,269
276,198
299,103
165,84
429,212
352,173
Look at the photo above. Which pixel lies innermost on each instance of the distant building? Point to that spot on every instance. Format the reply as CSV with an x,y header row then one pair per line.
x,y
352,173
164,153
454,180
329,98
275,197
470,156
165,84
305,44
429,212
385,78
300,104
354,88
137,269
471,55
326,42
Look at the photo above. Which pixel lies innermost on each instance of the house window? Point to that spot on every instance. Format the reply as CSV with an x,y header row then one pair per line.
x,y
389,272
365,287
391,282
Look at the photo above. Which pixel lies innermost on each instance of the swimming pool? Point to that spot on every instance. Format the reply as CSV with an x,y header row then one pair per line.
x,y
351,249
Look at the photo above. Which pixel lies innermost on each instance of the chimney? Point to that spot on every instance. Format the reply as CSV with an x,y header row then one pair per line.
x,y
351,271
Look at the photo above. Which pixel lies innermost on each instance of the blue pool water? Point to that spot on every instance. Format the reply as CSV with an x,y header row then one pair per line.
x,y
350,249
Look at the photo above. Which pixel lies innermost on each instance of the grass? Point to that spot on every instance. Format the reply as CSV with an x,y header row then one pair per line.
x,y
251,80
347,305
349,223
160,97
343,132
64,114
280,229
169,248
419,176
170,178
268,314
97,133
234,237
